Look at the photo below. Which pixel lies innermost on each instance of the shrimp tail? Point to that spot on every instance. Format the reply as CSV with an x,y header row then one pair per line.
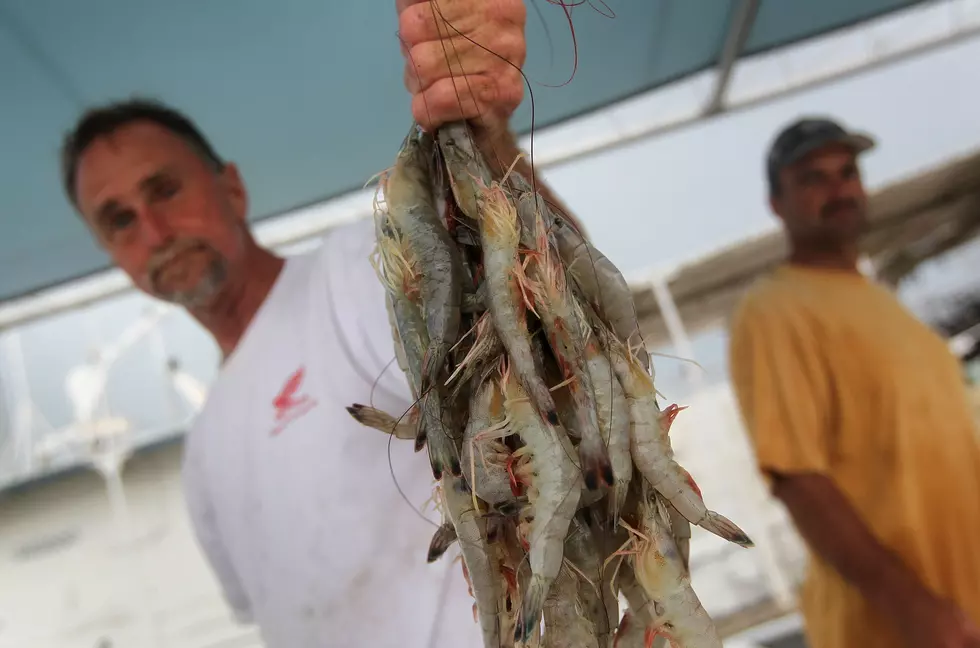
x,y
420,437
544,402
596,467
721,526
422,430
442,539
616,504
382,421
690,503
531,608
442,455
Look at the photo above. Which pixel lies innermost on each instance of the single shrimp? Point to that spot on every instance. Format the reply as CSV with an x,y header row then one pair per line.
x,y
499,234
411,207
614,423
471,531
434,432
553,496
651,450
395,262
467,168
601,284
566,330
661,572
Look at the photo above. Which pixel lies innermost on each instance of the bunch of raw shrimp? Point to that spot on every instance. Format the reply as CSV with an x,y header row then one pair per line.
x,y
553,464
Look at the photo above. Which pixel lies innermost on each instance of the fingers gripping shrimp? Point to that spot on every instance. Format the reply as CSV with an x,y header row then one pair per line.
x,y
553,495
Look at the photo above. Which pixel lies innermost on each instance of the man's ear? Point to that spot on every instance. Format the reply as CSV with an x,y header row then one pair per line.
x,y
234,187
776,205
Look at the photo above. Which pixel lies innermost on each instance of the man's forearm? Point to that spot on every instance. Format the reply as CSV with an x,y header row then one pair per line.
x,y
501,150
833,530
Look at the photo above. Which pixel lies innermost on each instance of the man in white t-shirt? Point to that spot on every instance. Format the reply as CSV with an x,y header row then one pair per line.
x,y
294,503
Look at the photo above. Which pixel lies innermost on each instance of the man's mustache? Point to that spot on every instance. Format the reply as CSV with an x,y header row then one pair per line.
x,y
840,204
164,256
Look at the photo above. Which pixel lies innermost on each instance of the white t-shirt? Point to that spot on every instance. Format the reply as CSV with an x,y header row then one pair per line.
x,y
292,500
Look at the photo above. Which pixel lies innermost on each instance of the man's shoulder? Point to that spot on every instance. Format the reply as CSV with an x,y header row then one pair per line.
x,y
352,238
765,296
340,242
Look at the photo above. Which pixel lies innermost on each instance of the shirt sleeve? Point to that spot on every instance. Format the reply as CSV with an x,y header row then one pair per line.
x,y
781,384
205,529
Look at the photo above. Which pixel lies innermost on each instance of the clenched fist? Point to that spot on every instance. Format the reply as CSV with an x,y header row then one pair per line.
x,y
448,68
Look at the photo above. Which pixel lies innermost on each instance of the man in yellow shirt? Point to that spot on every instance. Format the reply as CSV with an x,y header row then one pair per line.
x,y
859,418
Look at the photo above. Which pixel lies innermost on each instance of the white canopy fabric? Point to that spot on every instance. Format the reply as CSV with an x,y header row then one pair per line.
x,y
278,88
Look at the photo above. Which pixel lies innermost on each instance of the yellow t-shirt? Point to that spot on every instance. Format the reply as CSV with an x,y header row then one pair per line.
x,y
834,376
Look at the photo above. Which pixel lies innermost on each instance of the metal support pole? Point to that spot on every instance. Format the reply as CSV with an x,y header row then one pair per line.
x,y
18,392
109,464
738,32
675,325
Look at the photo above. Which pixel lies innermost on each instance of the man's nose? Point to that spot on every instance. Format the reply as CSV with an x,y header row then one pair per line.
x,y
155,228
839,189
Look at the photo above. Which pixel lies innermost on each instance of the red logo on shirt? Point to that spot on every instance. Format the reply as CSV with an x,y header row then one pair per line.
x,y
288,405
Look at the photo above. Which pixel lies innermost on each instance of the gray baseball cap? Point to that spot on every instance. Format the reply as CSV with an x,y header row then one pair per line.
x,y
806,135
